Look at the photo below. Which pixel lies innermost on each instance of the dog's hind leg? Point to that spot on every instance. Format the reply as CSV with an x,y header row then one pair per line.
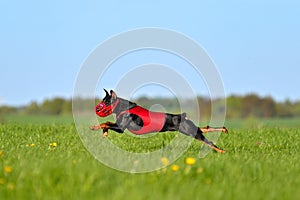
x,y
187,127
214,129
200,136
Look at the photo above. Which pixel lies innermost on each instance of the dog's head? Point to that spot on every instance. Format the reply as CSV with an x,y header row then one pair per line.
x,y
107,105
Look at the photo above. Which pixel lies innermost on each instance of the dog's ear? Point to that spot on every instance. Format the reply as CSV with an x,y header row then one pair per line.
x,y
113,95
106,93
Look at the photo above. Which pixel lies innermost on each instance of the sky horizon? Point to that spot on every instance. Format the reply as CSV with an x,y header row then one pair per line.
x,y
254,44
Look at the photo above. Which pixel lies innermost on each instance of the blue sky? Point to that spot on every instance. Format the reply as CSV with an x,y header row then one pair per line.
x,y
254,44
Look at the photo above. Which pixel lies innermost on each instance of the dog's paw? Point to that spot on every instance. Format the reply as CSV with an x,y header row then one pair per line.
x,y
105,134
220,150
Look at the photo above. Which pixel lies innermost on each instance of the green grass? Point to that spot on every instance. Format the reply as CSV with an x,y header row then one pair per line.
x,y
37,119
261,162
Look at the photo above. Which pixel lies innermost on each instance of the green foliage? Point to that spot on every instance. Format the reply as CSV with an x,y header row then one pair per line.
x,y
4,110
32,109
250,105
52,107
45,159
287,108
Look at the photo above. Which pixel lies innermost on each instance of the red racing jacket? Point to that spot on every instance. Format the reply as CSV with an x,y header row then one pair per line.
x,y
153,121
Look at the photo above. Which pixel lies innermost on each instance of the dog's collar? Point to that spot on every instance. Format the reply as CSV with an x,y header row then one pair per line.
x,y
102,110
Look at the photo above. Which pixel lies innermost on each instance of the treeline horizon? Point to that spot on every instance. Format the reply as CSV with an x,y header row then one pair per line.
x,y
237,106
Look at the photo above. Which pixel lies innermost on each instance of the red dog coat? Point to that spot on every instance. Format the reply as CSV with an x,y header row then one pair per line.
x,y
153,121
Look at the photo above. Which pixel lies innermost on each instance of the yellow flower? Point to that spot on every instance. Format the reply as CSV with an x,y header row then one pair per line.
x,y
32,144
8,169
174,168
190,161
164,161
1,153
53,144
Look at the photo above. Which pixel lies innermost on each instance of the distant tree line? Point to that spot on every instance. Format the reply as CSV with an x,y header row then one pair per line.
x,y
55,106
260,107
237,106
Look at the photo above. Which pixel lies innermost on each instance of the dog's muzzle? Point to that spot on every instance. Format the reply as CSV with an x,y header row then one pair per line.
x,y
103,110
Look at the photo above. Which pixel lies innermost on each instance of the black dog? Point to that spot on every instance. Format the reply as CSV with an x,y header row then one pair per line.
x,y
139,120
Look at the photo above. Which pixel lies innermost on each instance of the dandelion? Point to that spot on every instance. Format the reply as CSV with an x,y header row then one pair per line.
x,y
8,169
165,161
30,145
190,161
174,168
53,144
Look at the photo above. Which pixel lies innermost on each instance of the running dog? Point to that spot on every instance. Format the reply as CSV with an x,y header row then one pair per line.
x,y
139,120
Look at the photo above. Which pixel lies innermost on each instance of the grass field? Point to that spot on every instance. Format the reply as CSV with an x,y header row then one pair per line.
x,y
44,158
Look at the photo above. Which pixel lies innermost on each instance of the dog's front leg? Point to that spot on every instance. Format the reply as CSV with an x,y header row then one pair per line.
x,y
105,133
119,126
104,126
97,127
112,126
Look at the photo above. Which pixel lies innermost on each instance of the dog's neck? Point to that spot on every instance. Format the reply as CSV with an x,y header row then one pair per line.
x,y
123,105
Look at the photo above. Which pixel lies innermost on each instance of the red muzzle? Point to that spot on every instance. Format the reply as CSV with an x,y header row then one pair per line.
x,y
103,110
